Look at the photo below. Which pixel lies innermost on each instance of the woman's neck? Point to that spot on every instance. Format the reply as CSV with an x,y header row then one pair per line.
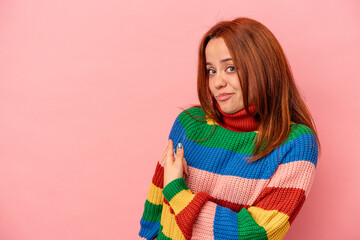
x,y
239,121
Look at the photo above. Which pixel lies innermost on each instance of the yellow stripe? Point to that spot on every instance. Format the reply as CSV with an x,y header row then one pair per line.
x,y
275,223
181,200
170,228
210,121
155,195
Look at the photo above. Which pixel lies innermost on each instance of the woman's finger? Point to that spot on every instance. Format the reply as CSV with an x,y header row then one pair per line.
x,y
180,151
170,151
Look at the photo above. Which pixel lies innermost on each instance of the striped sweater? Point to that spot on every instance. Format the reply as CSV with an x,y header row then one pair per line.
x,y
224,197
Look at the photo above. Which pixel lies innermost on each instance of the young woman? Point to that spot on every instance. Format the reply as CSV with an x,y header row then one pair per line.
x,y
246,156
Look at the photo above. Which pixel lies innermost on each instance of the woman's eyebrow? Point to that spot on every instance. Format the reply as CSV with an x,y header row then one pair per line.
x,y
221,61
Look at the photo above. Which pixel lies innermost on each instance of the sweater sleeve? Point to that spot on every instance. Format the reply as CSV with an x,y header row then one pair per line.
x,y
268,217
150,221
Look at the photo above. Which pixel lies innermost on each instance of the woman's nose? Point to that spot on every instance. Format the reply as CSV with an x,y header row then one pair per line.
x,y
219,81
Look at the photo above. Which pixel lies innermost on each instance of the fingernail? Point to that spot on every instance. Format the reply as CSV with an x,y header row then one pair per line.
x,y
179,145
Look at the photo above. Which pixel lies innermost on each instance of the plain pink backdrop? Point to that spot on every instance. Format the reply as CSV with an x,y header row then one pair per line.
x,y
89,90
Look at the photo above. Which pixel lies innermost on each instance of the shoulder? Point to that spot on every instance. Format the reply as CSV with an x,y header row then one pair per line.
x,y
197,111
303,135
301,144
193,120
189,123
189,118
191,115
299,129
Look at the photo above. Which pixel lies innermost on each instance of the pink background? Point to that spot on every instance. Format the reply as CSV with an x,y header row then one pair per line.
x,y
89,90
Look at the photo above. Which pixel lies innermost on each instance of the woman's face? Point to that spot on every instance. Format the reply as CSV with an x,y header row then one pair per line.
x,y
223,78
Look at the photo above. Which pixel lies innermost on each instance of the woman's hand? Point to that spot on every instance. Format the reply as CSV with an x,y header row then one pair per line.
x,y
174,167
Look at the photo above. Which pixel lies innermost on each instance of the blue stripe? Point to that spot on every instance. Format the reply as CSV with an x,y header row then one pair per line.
x,y
225,224
226,162
304,147
148,230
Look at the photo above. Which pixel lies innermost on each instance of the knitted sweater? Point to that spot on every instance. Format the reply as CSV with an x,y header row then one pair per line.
x,y
224,197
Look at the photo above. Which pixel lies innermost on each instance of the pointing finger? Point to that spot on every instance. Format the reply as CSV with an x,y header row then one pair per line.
x,y
180,149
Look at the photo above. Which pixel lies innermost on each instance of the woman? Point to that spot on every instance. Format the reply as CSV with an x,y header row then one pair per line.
x,y
246,156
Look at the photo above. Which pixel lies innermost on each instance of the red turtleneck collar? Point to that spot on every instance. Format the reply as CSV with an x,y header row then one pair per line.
x,y
239,121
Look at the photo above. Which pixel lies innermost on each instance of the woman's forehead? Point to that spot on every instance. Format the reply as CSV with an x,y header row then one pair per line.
x,y
216,49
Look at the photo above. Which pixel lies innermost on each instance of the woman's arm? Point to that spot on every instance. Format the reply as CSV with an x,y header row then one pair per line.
x,y
150,221
271,214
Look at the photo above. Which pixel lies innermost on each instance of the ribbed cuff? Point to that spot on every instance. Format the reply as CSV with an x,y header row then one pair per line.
x,y
174,187
178,194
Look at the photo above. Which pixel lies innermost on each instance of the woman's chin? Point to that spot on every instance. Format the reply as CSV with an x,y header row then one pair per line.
x,y
229,109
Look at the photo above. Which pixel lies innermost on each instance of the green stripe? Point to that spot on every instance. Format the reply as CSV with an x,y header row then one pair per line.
x,y
174,187
248,228
152,212
242,141
161,235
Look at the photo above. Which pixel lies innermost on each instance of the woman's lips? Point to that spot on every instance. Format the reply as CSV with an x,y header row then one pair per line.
x,y
224,96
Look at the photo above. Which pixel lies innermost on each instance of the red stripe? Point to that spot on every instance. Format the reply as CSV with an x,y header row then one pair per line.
x,y
223,203
186,218
285,200
167,203
158,178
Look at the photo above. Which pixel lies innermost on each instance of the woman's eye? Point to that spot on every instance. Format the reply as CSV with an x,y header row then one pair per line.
x,y
231,68
210,71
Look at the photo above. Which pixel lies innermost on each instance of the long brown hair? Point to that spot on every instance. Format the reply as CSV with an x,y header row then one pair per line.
x,y
263,70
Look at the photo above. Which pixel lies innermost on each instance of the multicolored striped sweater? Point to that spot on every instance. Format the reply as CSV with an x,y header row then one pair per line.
x,y
224,197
